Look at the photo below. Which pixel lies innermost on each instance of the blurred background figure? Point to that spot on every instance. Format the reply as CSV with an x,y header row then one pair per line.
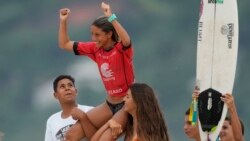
x,y
191,131
1,135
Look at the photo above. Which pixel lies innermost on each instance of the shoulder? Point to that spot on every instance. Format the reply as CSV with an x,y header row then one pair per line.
x,y
84,47
54,117
121,47
118,45
86,44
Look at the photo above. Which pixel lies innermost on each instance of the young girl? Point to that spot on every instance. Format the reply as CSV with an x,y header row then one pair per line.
x,y
112,51
145,119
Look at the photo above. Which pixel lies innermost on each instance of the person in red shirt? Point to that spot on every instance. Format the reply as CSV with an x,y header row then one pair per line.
x,y
112,51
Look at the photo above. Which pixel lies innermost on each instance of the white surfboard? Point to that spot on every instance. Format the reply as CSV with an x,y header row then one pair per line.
x,y
217,47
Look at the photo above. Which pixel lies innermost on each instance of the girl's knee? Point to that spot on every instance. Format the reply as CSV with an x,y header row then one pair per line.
x,y
72,136
69,136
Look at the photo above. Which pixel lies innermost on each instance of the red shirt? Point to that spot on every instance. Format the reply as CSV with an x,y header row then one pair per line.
x,y
115,65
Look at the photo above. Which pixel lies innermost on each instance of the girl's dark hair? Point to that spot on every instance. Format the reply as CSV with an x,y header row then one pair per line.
x,y
103,23
60,77
151,124
228,118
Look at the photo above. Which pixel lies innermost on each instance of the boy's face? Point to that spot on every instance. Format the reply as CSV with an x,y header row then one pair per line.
x,y
192,131
65,91
226,133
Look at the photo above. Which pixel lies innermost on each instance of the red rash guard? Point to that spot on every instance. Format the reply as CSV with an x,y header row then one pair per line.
x,y
115,65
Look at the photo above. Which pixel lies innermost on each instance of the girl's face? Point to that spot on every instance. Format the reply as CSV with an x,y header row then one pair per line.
x,y
65,91
129,105
226,133
100,37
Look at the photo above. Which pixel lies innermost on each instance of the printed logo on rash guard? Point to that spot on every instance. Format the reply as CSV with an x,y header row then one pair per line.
x,y
60,135
107,72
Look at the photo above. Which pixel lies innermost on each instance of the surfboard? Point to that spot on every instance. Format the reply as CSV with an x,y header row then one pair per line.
x,y
217,49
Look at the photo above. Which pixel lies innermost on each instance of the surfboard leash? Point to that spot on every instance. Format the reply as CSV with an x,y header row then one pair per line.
x,y
208,139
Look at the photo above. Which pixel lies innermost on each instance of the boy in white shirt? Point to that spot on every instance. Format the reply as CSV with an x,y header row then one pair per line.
x,y
59,123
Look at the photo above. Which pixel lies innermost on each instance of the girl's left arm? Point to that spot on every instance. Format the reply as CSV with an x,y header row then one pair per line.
x,y
235,120
122,33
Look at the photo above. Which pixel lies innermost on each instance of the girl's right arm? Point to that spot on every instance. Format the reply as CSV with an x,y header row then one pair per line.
x,y
113,126
99,133
63,38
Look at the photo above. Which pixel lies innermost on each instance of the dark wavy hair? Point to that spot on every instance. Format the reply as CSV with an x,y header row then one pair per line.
x,y
103,23
151,124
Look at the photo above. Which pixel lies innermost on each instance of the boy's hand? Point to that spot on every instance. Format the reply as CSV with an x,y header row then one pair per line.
x,y
77,114
196,93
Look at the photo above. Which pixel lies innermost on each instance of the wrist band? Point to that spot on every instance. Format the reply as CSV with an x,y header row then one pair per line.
x,y
112,18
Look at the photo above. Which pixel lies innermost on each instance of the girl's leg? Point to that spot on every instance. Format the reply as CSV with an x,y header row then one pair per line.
x,y
92,121
100,115
75,133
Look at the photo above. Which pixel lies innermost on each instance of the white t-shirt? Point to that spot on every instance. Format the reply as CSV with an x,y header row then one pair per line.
x,y
57,126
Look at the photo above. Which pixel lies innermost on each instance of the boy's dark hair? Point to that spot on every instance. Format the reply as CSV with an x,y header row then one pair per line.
x,y
187,112
228,118
103,23
60,77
